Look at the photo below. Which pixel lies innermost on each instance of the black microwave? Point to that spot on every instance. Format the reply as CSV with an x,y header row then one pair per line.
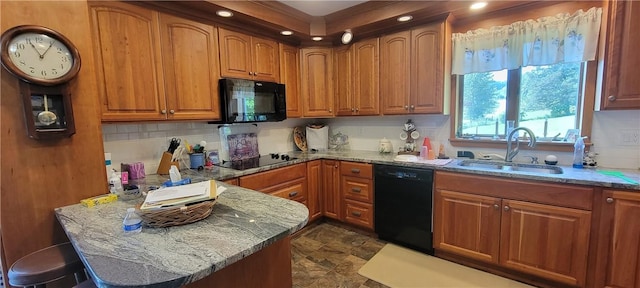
x,y
247,101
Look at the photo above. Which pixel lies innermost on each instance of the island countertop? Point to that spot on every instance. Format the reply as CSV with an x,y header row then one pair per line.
x,y
243,222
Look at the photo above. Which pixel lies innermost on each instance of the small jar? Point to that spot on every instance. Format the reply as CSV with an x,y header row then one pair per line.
x,y
385,146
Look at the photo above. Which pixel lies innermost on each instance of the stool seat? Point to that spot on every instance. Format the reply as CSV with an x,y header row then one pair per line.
x,y
45,265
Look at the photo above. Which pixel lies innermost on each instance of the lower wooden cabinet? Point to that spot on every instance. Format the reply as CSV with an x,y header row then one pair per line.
x,y
287,182
331,199
314,189
518,225
619,240
357,193
358,213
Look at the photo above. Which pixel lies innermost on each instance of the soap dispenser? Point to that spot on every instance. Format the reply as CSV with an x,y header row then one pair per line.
x,y
578,153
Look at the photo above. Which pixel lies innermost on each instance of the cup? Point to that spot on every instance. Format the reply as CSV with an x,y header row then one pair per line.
x,y
197,160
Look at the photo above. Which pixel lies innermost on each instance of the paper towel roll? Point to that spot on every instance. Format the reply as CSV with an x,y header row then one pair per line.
x,y
318,138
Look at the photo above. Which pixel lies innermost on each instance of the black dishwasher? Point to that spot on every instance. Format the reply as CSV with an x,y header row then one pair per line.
x,y
403,206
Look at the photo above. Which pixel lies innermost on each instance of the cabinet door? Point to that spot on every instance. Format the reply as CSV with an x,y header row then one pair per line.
x,y
332,202
314,189
427,73
130,80
547,241
467,225
191,68
265,60
622,88
290,76
366,77
343,84
395,54
620,234
317,82
235,54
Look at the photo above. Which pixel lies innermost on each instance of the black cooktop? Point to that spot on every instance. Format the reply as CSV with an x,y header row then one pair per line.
x,y
255,162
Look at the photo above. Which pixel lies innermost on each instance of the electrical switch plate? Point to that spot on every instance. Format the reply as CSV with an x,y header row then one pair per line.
x,y
629,137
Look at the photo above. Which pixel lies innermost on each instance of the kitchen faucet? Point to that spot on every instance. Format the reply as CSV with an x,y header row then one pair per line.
x,y
512,152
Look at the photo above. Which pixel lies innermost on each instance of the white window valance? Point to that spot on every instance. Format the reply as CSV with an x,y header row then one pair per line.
x,y
548,40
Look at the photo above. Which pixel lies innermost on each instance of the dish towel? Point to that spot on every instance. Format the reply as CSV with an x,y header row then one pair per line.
x,y
318,138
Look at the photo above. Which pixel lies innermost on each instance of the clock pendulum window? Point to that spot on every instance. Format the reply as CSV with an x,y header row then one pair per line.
x,y
45,62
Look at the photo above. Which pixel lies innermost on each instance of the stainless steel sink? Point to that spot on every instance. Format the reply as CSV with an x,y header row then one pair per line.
x,y
513,167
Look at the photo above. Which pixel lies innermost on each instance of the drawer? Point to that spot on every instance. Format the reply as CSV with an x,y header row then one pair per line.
x,y
262,180
358,189
294,190
362,170
359,213
232,181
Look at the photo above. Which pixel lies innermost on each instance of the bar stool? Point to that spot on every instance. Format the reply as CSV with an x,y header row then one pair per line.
x,y
46,265
86,284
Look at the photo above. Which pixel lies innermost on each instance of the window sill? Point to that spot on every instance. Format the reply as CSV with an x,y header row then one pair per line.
x,y
502,144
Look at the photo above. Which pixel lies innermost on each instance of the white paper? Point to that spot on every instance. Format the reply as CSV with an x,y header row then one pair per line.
x,y
182,191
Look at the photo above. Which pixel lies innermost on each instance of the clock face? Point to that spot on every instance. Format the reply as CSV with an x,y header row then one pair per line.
x,y
40,56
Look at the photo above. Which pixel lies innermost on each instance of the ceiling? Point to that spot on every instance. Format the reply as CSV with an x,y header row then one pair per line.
x,y
320,8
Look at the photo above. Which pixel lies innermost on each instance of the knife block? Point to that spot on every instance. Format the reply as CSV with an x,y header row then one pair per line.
x,y
165,164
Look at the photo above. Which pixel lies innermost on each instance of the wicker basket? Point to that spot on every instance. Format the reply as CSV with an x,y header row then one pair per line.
x,y
178,215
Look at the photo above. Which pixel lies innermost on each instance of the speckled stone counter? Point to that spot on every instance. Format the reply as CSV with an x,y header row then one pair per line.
x,y
570,175
242,222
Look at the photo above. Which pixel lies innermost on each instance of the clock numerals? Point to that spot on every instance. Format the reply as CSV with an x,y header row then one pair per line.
x,y
65,59
32,70
17,54
54,71
22,63
20,46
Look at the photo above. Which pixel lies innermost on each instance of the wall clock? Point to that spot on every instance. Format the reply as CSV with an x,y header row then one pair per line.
x,y
45,61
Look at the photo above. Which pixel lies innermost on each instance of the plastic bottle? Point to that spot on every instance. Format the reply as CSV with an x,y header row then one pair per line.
x,y
115,184
578,153
132,223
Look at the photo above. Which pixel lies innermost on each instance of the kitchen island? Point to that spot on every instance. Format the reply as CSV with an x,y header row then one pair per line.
x,y
245,241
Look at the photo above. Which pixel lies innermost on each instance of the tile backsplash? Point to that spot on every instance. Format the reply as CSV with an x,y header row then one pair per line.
x,y
146,142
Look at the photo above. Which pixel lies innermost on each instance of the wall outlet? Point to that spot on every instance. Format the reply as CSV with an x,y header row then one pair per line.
x,y
629,137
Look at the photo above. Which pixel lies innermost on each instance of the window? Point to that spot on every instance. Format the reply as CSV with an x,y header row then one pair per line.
x,y
546,99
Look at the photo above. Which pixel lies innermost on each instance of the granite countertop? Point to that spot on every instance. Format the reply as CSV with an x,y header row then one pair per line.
x,y
570,175
243,221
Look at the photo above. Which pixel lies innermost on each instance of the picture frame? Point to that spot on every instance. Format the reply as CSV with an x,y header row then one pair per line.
x,y
572,135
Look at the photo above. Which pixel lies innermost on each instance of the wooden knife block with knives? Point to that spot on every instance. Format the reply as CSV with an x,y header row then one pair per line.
x,y
165,164
168,156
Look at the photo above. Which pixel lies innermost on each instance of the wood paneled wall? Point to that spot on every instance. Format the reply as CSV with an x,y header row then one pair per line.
x,y
38,176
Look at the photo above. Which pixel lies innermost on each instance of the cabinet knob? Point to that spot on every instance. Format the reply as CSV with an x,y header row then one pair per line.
x,y
293,194
357,109
496,206
330,110
611,98
250,73
356,213
507,208
163,111
172,111
355,170
609,200
406,107
353,109
335,166
356,189
413,107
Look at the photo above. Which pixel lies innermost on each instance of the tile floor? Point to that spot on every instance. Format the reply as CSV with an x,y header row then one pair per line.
x,y
329,255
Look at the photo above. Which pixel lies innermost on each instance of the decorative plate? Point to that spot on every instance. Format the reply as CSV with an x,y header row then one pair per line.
x,y
300,138
415,135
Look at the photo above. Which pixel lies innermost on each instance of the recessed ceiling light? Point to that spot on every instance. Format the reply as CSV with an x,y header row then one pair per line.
x,y
224,13
478,5
347,37
317,38
286,33
405,18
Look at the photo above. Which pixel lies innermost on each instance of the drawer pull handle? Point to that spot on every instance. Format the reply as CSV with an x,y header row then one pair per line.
x,y
507,208
355,170
356,213
293,194
609,200
356,189
496,206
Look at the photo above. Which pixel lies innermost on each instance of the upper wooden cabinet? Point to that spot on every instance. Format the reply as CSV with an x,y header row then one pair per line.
x,y
190,58
621,86
153,66
356,78
248,57
541,229
316,82
128,60
290,77
415,70
618,240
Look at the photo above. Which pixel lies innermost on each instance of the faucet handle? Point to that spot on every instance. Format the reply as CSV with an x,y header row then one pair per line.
x,y
534,159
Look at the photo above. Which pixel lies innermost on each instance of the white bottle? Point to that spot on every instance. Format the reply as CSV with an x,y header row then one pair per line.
x,y
115,184
132,223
